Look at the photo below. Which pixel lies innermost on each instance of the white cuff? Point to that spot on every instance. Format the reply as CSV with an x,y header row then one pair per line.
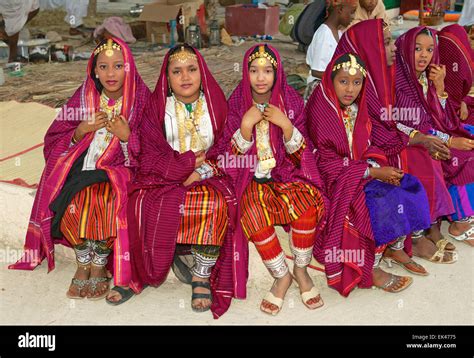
x,y
295,142
242,144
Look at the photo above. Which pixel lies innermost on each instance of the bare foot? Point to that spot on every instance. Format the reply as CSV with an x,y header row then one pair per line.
x,y
305,284
80,288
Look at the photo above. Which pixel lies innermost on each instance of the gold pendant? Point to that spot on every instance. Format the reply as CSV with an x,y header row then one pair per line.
x,y
268,164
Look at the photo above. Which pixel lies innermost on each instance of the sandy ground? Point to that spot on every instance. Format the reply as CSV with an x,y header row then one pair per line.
x,y
445,297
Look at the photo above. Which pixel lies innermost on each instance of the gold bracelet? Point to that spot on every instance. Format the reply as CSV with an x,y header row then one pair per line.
x,y
74,140
449,141
413,133
444,95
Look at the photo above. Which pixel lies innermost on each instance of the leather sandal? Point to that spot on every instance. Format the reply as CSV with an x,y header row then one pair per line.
x,y
205,296
393,282
79,283
411,266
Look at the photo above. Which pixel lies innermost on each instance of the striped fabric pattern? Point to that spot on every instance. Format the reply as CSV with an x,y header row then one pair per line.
x,y
91,215
204,217
274,203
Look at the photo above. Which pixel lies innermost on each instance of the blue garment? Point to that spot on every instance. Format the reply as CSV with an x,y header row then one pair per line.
x,y
397,210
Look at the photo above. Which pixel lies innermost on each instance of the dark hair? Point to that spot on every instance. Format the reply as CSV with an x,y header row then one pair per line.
x,y
426,31
187,48
345,58
97,83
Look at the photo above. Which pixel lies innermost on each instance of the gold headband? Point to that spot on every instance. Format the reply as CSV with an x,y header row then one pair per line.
x,y
183,55
109,48
262,54
352,66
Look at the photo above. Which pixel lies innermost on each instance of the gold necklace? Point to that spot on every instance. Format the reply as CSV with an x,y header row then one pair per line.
x,y
264,150
190,124
111,111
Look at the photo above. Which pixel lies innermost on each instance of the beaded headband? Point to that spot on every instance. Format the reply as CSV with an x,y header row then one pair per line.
x,y
351,66
262,55
183,55
109,48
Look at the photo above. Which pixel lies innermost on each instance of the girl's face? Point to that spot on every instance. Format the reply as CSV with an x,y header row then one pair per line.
x,y
347,87
390,47
185,79
424,48
111,72
261,76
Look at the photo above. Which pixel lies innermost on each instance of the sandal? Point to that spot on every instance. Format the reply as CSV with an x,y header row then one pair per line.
x,y
205,296
438,257
416,268
312,294
94,281
79,283
465,236
393,282
272,299
126,295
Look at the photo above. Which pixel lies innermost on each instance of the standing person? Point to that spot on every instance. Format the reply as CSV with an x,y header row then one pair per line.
x,y
420,85
16,14
90,155
180,194
76,11
339,15
365,193
266,127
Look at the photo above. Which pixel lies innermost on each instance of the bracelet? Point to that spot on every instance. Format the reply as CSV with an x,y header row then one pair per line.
x,y
413,133
73,140
449,141
444,95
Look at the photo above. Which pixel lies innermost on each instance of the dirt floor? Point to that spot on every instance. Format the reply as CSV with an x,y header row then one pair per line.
x,y
54,82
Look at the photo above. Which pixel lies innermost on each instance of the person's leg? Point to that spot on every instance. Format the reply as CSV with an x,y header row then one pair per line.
x,y
395,253
99,283
302,236
80,282
267,244
13,39
205,257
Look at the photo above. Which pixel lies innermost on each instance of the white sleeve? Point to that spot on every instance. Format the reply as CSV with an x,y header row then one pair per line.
x,y
319,56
